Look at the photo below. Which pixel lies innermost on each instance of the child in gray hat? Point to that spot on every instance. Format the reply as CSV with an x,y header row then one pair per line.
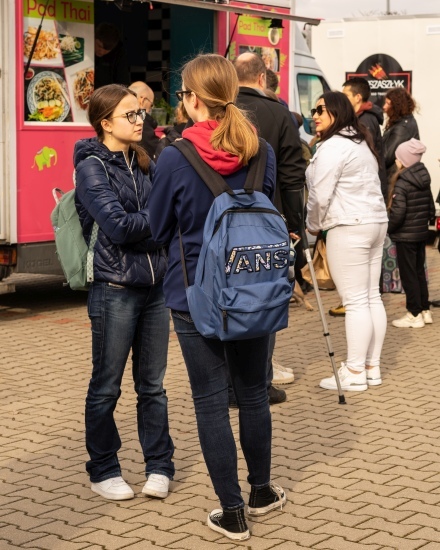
x,y
410,207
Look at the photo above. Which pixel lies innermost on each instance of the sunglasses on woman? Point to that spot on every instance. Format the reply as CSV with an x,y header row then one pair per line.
x,y
319,110
181,93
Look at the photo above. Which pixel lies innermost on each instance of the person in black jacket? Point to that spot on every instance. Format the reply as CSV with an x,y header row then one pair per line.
x,y
274,123
411,206
126,304
145,96
111,63
401,125
358,92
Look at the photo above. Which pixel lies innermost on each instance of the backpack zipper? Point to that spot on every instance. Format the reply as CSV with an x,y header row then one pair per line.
x,y
225,320
151,267
246,210
134,180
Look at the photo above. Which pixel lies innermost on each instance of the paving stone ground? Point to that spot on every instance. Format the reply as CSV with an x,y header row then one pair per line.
x,y
361,476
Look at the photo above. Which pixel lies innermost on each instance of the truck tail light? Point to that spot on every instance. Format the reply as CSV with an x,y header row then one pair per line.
x,y
8,256
437,223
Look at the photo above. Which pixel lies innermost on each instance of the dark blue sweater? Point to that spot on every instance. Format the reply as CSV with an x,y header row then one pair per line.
x,y
179,198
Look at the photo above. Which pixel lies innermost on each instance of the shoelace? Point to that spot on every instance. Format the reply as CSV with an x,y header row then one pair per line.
x,y
279,492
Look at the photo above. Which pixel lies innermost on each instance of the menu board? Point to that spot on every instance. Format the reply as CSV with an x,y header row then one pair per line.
x,y
60,77
260,36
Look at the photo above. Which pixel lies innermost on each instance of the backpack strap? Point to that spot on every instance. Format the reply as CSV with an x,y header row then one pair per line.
x,y
95,229
257,169
213,180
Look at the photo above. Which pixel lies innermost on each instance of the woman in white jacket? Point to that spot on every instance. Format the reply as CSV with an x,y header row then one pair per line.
x,y
345,200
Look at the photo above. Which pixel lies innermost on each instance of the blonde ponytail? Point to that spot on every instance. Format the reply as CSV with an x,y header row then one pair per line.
x,y
214,80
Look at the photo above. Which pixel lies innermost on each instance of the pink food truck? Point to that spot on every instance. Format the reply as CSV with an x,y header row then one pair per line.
x,y
47,64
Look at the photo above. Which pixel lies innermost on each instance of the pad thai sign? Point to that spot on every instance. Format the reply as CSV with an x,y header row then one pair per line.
x,y
60,78
60,10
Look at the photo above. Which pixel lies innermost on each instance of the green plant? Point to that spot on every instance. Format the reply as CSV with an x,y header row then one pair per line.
x,y
163,104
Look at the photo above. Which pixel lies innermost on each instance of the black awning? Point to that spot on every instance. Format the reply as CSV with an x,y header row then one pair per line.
x,y
268,14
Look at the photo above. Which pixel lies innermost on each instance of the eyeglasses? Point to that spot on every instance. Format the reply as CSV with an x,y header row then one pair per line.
x,y
319,110
181,93
132,115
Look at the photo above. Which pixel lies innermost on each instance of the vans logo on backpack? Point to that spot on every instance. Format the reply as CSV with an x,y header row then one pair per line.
x,y
240,258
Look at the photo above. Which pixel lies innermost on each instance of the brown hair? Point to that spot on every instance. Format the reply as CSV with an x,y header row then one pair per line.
x,y
214,81
392,183
339,106
103,103
270,93
272,80
402,104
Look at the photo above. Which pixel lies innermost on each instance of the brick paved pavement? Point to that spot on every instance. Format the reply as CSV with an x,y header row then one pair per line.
x,y
361,476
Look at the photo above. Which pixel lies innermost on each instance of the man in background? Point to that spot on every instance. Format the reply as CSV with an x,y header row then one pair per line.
x,y
274,123
111,63
146,100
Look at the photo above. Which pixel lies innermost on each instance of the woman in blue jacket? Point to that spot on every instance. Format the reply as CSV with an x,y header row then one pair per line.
x,y
226,141
125,303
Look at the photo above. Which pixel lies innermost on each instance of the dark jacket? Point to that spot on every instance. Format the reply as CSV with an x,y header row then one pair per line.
x,y
112,68
171,134
274,123
125,254
149,139
180,198
403,130
372,119
412,206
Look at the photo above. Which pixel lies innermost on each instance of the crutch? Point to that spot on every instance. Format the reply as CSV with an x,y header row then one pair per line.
x,y
331,353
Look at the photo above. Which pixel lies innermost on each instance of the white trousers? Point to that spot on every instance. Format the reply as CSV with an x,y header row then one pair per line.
x,y
354,254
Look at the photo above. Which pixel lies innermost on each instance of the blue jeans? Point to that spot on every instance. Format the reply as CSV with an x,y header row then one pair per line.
x,y
269,369
125,318
207,362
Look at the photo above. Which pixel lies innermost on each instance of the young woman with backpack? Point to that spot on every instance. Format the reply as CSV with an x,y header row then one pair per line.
x,y
179,202
125,303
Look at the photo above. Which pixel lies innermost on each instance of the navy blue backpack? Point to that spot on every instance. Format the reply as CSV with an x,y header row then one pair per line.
x,y
241,288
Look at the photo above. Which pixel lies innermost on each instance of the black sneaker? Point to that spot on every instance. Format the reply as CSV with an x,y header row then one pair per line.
x,y
230,523
276,395
265,499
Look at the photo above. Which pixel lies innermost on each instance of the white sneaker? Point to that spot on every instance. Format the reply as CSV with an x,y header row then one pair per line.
x,y
409,321
157,486
280,367
114,488
348,380
427,317
373,376
281,377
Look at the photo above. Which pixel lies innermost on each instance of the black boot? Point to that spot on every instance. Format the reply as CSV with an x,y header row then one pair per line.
x,y
230,523
265,499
